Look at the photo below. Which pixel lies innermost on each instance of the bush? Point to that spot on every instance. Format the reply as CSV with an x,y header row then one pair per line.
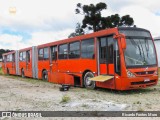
x,y
65,99
1,72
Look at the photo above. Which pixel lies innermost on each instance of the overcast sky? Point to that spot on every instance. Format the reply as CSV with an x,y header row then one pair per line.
x,y
41,21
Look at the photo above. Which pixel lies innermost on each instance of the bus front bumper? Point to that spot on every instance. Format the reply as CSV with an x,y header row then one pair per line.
x,y
139,82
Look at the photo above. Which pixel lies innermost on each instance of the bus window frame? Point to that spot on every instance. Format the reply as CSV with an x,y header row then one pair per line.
x,y
42,58
74,50
93,56
63,51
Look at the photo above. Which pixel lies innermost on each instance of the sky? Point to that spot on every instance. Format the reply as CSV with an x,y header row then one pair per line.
x,y
41,21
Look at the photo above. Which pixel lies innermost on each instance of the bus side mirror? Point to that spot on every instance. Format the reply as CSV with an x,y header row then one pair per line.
x,y
123,42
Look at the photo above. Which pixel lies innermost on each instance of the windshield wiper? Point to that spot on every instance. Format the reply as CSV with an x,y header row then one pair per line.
x,y
142,51
135,45
147,45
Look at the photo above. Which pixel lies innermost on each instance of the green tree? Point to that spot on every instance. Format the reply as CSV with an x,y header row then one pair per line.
x,y
3,51
92,15
78,31
93,19
116,21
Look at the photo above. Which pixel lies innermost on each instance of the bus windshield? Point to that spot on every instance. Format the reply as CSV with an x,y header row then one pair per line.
x,y
140,49
139,52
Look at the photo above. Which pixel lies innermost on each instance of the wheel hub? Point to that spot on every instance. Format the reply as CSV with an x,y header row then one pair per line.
x,y
88,82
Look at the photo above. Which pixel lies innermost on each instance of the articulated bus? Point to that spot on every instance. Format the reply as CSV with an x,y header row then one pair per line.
x,y
118,58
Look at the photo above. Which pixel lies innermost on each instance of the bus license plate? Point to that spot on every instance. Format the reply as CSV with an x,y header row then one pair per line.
x,y
146,80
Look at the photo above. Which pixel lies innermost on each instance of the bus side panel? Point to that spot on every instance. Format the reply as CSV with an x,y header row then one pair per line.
x,y
74,67
22,65
53,77
10,68
88,64
103,68
62,70
43,65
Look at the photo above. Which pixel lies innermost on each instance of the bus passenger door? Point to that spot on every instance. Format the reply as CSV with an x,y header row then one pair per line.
x,y
53,64
106,61
106,55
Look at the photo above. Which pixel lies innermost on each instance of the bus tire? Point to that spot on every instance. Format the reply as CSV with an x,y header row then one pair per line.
x,y
88,83
45,75
22,74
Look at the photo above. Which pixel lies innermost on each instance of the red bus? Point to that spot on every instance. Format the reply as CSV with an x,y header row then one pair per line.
x,y
118,58
10,63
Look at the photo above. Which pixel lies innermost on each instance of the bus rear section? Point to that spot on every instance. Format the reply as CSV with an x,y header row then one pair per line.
x,y
10,63
28,62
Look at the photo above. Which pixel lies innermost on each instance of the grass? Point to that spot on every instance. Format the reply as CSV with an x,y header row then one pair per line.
x,y
30,80
1,72
65,99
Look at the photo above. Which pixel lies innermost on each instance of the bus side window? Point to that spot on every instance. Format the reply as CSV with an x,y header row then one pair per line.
x,y
20,56
13,57
40,54
4,59
28,56
43,54
24,56
74,50
10,58
63,51
54,53
46,54
87,49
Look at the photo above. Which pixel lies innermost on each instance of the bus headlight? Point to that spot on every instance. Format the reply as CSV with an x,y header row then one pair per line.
x,y
156,72
130,74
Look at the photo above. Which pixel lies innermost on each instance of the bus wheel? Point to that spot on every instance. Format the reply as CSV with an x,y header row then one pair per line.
x,y
45,75
88,83
23,76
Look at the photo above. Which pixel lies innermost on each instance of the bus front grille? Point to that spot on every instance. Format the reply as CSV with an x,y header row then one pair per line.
x,y
143,82
145,73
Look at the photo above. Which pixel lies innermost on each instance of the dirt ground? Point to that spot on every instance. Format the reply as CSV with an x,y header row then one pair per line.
x,y
17,94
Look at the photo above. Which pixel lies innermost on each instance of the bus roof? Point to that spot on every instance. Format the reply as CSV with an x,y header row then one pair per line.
x,y
132,28
9,53
25,49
